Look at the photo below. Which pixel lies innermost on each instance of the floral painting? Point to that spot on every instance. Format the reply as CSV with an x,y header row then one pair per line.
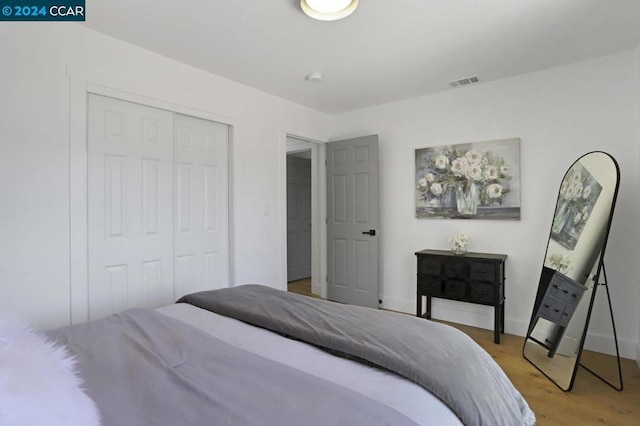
x,y
479,180
579,192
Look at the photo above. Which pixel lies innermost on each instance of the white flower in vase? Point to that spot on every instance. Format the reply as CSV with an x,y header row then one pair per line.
x,y
459,243
441,162
494,190
561,263
436,189
459,166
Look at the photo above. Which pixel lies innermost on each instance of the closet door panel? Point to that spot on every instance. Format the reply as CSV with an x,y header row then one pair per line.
x,y
130,212
201,204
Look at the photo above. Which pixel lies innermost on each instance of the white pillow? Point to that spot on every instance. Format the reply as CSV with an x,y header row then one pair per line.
x,y
39,384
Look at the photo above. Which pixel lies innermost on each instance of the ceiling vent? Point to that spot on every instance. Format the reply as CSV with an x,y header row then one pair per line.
x,y
464,81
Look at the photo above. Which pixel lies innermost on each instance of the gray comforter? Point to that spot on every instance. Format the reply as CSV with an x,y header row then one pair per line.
x,y
144,368
440,358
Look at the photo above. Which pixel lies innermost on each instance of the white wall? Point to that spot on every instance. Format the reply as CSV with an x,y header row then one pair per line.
x,y
638,162
34,157
559,114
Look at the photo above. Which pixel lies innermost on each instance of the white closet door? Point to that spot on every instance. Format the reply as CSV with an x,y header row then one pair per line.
x,y
130,166
201,205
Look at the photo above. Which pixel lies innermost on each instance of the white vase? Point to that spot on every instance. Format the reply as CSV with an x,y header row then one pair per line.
x,y
467,198
459,250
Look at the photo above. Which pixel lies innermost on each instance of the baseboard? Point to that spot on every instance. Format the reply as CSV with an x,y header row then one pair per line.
x,y
398,305
482,317
606,345
459,312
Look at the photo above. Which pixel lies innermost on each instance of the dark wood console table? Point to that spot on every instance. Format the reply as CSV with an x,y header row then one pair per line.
x,y
471,277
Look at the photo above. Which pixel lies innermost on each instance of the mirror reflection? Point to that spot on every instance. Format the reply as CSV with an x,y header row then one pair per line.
x,y
572,264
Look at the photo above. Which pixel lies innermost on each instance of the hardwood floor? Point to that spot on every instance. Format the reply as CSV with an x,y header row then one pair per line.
x,y
302,286
591,402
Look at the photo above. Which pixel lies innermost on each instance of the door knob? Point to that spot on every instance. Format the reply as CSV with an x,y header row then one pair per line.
x,y
371,232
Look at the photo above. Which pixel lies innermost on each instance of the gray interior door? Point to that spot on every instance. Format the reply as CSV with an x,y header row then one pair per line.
x,y
352,222
298,218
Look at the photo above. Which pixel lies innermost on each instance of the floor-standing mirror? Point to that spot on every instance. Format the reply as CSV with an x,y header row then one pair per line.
x,y
573,268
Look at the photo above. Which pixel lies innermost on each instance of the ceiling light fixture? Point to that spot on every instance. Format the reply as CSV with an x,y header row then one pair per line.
x,y
328,10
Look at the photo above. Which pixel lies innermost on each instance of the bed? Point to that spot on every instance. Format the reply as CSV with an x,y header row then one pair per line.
x,y
253,355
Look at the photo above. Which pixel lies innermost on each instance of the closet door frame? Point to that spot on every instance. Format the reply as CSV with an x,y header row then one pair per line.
x,y
81,83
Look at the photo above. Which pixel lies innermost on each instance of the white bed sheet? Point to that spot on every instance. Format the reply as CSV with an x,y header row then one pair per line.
x,y
381,385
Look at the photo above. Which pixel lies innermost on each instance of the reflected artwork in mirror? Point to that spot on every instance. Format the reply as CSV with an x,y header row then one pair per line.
x,y
573,267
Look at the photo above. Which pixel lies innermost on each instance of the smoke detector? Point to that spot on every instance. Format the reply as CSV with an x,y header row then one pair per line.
x,y
314,77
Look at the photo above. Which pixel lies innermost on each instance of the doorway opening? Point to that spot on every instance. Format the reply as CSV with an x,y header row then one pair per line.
x,y
303,226
299,221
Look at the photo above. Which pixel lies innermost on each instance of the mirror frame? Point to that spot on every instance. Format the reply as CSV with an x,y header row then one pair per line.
x,y
599,261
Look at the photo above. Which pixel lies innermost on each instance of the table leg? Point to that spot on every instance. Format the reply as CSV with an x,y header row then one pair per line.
x,y
496,323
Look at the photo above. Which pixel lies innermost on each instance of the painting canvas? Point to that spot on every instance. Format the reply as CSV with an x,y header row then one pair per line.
x,y
479,180
578,194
